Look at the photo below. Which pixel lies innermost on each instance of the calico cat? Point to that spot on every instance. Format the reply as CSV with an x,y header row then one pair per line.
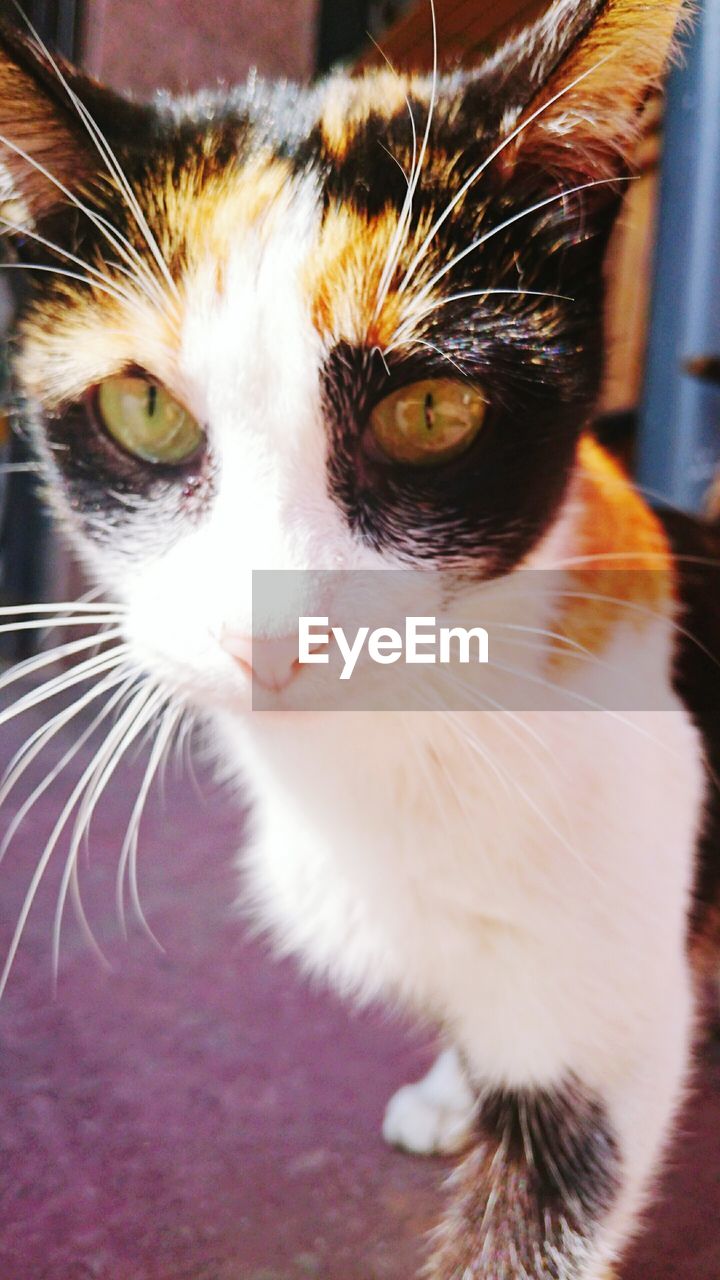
x,y
357,328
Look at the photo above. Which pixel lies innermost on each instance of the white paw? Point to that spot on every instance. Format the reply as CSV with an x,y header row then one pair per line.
x,y
434,1116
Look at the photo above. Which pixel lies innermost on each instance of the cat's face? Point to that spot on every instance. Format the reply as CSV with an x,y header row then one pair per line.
x,y
356,327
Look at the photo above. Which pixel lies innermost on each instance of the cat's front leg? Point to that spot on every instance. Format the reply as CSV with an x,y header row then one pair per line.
x,y
436,1115
558,1174
537,1190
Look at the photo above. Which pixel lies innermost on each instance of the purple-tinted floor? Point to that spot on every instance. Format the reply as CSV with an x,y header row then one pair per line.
x,y
201,1114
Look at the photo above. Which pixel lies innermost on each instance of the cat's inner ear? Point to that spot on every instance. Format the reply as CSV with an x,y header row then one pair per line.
x,y
46,154
587,69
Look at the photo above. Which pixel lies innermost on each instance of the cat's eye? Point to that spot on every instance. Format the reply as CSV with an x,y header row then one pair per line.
x,y
147,421
428,422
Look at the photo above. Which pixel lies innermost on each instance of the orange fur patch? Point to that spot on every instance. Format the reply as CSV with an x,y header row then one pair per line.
x,y
622,554
68,348
342,278
201,218
349,103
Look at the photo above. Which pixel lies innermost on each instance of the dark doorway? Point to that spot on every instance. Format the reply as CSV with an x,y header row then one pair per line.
x,y
23,524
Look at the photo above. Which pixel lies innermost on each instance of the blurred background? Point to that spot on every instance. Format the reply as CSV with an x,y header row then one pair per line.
x,y
660,408
198,1113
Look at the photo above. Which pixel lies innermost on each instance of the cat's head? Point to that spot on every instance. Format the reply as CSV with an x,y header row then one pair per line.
x,y
351,327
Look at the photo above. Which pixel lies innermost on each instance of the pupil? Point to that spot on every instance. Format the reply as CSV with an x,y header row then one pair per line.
x,y
152,400
429,411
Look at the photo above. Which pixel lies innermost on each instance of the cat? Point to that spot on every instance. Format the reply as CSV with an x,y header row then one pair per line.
x,y
357,328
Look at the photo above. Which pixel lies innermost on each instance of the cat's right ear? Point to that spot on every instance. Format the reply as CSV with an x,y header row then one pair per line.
x,y
48,157
582,75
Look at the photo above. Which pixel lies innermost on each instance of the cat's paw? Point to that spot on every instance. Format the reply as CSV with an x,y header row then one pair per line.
x,y
434,1116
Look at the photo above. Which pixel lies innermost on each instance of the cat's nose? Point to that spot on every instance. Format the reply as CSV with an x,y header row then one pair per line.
x,y
273,662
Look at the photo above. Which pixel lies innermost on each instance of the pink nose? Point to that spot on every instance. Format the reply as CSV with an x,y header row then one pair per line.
x,y
272,662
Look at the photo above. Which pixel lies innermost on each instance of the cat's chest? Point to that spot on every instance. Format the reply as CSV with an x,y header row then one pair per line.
x,y
387,848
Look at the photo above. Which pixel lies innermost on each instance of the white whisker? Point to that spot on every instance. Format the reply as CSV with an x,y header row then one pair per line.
x,y
25,753
405,219
131,200
104,227
397,162
86,795
633,606
582,700
128,853
503,777
406,210
106,153
430,775
57,606
548,772
431,346
508,222
488,161
59,722
69,275
184,744
47,854
411,322
661,557
501,716
36,663
51,624
534,806
70,257
539,646
546,634
77,675
84,923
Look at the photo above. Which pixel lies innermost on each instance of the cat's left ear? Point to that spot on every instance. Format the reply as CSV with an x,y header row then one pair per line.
x,y
47,154
589,66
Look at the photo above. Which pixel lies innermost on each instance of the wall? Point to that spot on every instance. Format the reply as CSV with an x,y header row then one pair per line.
x,y
184,44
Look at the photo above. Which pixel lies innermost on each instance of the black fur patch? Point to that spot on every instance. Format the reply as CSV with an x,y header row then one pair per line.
x,y
535,1190
537,358
537,364
130,506
697,681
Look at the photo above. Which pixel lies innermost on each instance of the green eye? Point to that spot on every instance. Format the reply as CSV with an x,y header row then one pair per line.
x,y
428,422
146,420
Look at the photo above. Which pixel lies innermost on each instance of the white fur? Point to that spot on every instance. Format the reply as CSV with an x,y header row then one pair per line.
x,y
434,1116
412,874
522,881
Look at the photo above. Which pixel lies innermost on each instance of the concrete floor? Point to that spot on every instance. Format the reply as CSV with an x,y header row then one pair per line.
x,y
200,1114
